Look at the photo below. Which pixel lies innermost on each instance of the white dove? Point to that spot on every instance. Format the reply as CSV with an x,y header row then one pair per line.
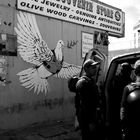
x,y
33,49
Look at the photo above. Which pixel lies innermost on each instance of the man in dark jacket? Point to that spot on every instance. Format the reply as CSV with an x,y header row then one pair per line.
x,y
88,90
130,107
120,81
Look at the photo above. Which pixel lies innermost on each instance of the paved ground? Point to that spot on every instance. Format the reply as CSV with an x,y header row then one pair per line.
x,y
57,131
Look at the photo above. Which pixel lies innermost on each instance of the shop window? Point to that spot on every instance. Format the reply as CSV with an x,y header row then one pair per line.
x,y
8,45
101,38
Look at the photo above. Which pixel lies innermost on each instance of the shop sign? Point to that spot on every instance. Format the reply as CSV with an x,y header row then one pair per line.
x,y
84,12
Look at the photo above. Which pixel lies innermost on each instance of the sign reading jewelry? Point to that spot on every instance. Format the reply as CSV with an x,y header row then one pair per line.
x,y
84,12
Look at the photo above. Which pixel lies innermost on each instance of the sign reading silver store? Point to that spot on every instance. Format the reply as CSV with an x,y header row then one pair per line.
x,y
85,12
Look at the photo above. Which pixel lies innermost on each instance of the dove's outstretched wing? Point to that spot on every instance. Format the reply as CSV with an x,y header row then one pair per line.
x,y
68,70
32,48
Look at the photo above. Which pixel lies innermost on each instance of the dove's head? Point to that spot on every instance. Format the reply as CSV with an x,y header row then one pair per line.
x,y
58,50
60,44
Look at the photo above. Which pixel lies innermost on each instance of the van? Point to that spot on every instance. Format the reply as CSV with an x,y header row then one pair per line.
x,y
107,114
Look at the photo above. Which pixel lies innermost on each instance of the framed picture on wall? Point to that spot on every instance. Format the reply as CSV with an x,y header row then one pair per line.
x,y
87,43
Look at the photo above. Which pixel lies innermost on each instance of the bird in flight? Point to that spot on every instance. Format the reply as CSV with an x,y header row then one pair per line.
x,y
45,62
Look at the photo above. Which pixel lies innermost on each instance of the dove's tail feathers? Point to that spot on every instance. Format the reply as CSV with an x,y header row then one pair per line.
x,y
30,78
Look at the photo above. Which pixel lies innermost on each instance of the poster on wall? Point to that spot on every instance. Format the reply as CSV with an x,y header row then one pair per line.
x,y
87,43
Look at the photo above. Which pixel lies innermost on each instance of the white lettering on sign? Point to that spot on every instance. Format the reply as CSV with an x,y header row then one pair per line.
x,y
84,12
104,11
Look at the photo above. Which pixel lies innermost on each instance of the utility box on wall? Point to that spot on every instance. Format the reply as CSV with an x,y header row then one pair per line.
x,y
8,45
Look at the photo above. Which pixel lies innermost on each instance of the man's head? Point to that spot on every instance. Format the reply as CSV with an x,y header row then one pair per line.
x,y
126,68
137,68
89,66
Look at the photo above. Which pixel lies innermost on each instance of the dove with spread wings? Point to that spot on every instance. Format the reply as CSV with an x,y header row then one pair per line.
x,y
46,62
